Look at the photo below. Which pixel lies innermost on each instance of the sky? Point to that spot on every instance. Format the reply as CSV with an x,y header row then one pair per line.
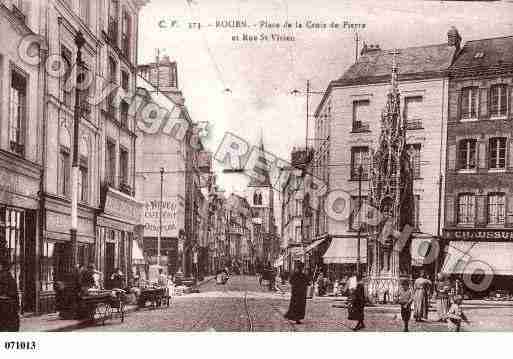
x,y
261,75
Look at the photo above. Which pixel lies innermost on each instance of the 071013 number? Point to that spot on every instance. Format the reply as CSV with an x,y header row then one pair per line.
x,y
20,345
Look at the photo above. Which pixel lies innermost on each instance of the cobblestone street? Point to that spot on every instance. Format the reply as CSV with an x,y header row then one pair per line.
x,y
242,305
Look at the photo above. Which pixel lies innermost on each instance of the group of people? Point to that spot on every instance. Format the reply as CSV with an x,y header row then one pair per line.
x,y
449,296
412,300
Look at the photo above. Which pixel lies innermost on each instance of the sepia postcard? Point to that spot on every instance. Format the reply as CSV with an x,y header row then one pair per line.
x,y
254,166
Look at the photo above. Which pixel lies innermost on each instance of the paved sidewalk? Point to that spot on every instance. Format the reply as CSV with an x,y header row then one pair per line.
x,y
52,322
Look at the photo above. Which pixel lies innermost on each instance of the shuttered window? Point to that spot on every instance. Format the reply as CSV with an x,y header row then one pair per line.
x,y
467,154
496,208
497,153
466,208
498,100
469,101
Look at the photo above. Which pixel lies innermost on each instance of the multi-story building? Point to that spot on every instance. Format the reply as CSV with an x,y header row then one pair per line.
x,y
21,144
106,216
347,123
478,225
238,233
175,147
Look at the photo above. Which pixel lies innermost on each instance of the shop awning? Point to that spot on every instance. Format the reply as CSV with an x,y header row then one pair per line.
x,y
344,251
137,254
491,258
278,262
314,244
296,253
419,249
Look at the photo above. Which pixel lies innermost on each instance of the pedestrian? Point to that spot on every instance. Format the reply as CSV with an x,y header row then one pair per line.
x,y
443,288
299,284
455,315
420,297
9,300
405,300
357,304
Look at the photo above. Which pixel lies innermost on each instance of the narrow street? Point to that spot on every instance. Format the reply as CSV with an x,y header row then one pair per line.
x,y
242,306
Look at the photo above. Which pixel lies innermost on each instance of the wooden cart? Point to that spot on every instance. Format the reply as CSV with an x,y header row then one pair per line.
x,y
102,306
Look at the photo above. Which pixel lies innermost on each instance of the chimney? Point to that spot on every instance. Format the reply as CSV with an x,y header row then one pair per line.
x,y
454,38
367,49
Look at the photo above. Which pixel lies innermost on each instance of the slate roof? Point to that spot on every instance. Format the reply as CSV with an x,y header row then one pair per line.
x,y
422,61
484,55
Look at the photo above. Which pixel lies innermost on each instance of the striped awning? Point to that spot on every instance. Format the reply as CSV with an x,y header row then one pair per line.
x,y
490,258
344,251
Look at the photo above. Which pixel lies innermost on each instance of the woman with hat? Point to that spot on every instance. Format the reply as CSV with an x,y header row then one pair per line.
x,y
9,300
299,284
420,297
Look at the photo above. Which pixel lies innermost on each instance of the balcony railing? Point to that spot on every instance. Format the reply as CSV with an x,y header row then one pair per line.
x,y
359,126
414,124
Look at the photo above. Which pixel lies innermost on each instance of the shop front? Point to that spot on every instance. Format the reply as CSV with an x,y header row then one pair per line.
x,y
115,234
341,257
19,203
481,257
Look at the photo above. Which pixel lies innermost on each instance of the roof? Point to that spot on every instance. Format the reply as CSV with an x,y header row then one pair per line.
x,y
483,55
377,65
419,62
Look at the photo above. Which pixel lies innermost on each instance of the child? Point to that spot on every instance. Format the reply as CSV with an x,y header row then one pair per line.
x,y
405,300
455,315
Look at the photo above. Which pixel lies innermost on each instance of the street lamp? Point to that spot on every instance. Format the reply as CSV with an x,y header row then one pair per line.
x,y
75,169
159,239
360,174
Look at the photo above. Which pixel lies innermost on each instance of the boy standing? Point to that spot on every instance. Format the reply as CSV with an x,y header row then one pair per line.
x,y
405,300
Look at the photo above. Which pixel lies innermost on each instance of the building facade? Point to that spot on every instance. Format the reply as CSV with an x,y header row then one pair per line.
x,y
479,197
347,126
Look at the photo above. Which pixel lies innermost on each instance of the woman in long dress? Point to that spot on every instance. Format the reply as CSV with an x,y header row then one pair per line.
x,y
357,304
299,284
420,297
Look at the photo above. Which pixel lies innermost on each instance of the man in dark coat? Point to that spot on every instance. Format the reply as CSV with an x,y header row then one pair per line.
x,y
299,283
9,300
357,304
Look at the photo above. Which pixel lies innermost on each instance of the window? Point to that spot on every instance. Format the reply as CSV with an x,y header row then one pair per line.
x,y
64,173
123,168
299,207
497,153
416,213
124,80
113,21
361,115
84,90
124,114
65,83
112,79
496,208
469,100
466,209
18,112
414,152
356,214
498,100
125,34
110,162
412,112
467,154
83,176
48,266
359,157
297,234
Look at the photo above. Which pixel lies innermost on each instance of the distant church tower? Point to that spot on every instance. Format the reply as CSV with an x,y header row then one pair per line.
x,y
163,75
260,196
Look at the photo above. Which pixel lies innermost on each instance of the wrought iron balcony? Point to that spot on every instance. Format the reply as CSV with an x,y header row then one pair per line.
x,y
414,124
359,126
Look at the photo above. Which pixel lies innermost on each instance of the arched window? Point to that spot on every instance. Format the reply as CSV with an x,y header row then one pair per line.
x,y
64,164
83,177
